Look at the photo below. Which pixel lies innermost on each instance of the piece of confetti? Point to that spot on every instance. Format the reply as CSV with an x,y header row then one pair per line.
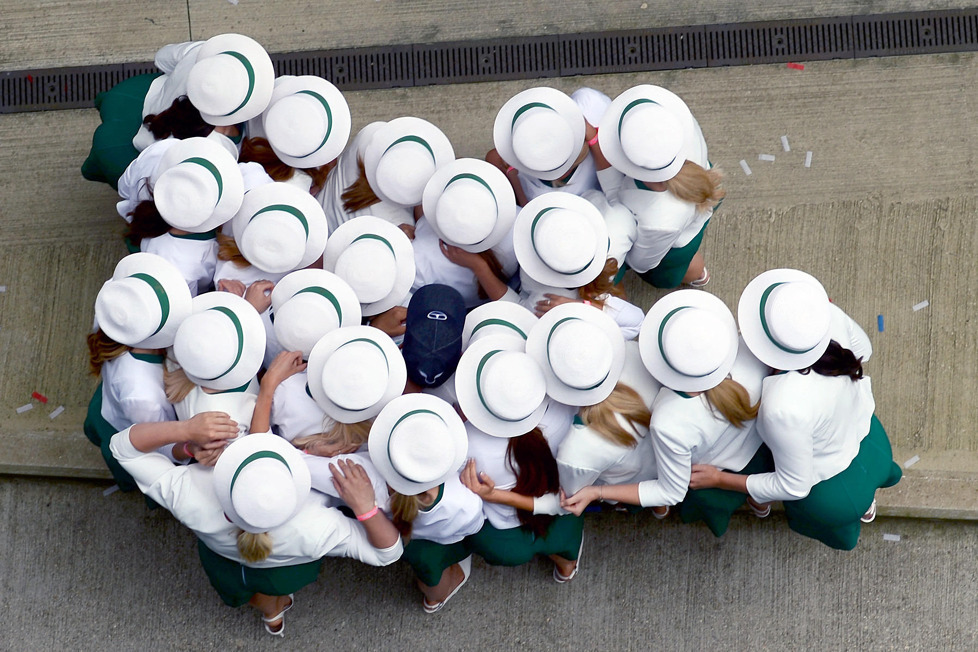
x,y
808,159
24,408
3,288
111,490
745,167
920,306
56,412
784,144
891,537
765,157
879,323
39,396
796,66
234,2
913,460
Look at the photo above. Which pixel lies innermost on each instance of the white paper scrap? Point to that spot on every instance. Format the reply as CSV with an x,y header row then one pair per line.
x,y
920,306
913,460
24,408
765,157
234,2
3,288
784,144
891,537
745,167
56,412
808,159
111,490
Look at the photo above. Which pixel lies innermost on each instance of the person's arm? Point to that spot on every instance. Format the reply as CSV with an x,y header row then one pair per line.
x,y
479,483
207,429
354,487
622,493
512,175
285,364
627,315
706,476
494,287
393,321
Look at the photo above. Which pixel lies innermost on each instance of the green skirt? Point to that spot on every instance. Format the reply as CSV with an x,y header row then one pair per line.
x,y
715,506
831,511
429,559
236,583
516,546
672,268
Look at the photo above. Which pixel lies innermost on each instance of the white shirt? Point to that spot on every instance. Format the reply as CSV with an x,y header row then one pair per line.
x,y
456,515
176,61
195,255
132,391
239,404
188,493
294,412
585,178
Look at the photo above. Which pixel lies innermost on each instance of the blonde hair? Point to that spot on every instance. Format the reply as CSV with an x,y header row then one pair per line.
x,y
359,195
731,400
227,249
697,185
254,547
341,435
176,384
404,510
101,349
603,417
598,290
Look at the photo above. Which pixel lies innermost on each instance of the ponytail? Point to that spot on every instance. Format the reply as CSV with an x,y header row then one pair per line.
x,y
837,361
181,120
603,286
101,349
254,547
146,223
404,510
176,384
530,457
732,401
227,250
697,185
258,150
359,195
623,402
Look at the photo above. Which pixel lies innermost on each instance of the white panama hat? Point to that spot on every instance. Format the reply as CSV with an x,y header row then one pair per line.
x,y
500,388
222,344
417,442
354,372
280,228
561,240
197,185
689,340
261,481
144,302
232,80
307,123
581,351
402,156
309,303
377,260
497,318
785,318
647,133
540,132
470,204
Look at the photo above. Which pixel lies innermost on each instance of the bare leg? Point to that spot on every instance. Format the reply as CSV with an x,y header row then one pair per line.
x,y
451,578
564,566
269,606
696,269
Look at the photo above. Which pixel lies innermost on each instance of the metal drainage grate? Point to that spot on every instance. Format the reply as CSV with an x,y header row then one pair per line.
x,y
554,56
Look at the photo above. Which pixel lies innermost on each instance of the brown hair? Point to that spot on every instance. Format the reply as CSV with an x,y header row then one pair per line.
x,y
731,400
359,195
404,510
181,120
227,249
495,267
602,286
837,361
338,434
603,417
258,150
176,384
254,547
530,458
697,185
101,349
146,223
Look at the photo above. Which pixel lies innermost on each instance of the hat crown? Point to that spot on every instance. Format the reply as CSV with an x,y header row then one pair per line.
x,y
510,384
187,193
209,343
579,353
694,341
542,139
132,309
303,319
467,210
420,447
404,169
221,84
355,376
275,238
298,124
563,239
263,492
651,136
369,265
795,315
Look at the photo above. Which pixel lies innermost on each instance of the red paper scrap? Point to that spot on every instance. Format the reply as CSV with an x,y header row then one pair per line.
x,y
41,397
796,66
30,78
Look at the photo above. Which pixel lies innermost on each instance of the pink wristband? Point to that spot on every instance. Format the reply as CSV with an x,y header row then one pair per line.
x,y
593,141
186,450
510,169
368,515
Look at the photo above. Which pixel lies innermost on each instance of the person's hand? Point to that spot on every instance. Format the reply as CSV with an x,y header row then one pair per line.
x,y
460,256
285,364
577,503
207,457
391,321
259,294
704,476
552,301
323,448
231,285
408,230
210,430
477,482
353,485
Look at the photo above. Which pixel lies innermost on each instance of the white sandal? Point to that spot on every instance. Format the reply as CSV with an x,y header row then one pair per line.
x,y
702,281
870,514
429,608
280,632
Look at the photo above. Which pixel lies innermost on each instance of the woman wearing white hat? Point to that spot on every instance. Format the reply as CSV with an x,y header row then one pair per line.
x,y
137,313
418,444
261,533
651,156
703,414
817,411
540,141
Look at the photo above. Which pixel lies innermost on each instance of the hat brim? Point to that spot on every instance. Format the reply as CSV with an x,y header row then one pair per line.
x,y
337,292
508,315
349,231
498,185
339,111
232,191
467,391
264,75
279,192
396,378
385,136
562,104
636,375
531,263
252,335
381,430
610,143
648,339
536,346
241,449
752,330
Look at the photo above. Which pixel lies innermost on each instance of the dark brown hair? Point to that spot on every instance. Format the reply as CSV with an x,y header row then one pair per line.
x,y
181,120
258,150
837,361
359,195
530,458
101,349
146,223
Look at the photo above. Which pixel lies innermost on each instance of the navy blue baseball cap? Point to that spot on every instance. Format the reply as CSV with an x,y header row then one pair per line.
x,y
433,334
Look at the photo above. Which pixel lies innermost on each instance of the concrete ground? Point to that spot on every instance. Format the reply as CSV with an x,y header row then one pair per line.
x,y
883,217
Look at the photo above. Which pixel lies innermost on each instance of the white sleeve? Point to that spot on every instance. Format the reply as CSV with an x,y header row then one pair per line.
x,y
610,181
651,245
850,334
168,56
322,477
157,477
574,478
628,316
793,451
345,537
620,222
548,504
674,463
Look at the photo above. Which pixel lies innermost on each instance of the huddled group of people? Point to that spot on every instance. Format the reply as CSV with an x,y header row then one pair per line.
x,y
367,347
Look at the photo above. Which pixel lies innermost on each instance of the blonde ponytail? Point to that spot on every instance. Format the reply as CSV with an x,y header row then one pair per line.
x,y
623,401
697,185
254,547
731,400
101,349
404,510
176,384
